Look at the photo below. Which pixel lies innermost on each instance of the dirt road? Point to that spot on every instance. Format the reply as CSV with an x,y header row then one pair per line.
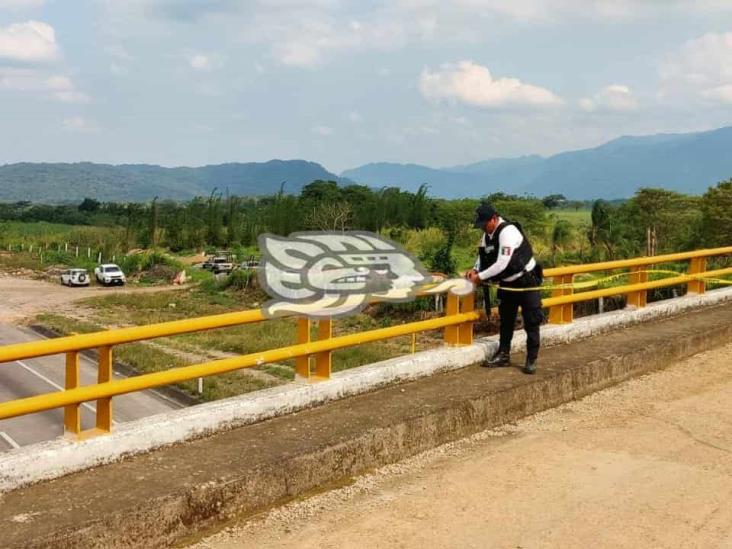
x,y
644,464
21,297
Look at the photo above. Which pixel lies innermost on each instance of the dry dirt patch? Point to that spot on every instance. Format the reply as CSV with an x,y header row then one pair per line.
x,y
21,298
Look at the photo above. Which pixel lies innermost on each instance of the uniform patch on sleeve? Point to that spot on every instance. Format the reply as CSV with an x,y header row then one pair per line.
x,y
506,250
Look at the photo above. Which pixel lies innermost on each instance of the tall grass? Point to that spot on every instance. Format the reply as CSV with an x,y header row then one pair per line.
x,y
58,236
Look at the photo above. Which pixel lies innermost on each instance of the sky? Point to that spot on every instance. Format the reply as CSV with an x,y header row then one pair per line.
x,y
344,83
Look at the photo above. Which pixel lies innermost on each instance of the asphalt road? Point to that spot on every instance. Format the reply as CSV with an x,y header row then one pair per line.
x,y
46,374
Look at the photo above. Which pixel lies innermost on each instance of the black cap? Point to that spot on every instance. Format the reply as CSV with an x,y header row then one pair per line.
x,y
483,213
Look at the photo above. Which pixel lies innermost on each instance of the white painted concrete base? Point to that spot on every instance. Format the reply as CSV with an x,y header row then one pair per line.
x,y
59,457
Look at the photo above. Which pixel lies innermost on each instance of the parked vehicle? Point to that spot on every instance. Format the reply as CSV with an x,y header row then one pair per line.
x,y
249,264
220,262
75,277
109,274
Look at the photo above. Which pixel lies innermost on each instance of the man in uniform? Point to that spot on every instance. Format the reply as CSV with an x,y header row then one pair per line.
x,y
505,256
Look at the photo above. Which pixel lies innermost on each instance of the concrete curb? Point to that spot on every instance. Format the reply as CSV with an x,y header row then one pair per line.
x,y
56,458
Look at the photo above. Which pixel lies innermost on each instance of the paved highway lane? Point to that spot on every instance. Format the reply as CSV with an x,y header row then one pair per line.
x,y
46,374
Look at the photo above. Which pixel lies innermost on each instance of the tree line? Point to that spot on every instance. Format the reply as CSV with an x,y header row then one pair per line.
x,y
438,230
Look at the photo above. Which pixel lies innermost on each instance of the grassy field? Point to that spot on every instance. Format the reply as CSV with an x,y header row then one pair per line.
x,y
41,229
52,234
577,218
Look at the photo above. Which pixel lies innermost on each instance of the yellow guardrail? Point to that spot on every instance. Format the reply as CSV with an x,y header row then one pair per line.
x,y
457,324
561,302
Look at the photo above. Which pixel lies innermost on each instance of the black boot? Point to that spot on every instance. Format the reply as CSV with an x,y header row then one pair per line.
x,y
500,358
530,366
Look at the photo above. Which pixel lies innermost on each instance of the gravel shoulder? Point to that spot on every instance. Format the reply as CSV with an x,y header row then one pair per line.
x,y
647,463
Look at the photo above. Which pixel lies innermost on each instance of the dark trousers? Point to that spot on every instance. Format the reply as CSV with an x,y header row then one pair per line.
x,y
530,303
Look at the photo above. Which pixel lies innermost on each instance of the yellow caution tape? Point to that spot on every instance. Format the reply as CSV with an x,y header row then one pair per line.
x,y
595,282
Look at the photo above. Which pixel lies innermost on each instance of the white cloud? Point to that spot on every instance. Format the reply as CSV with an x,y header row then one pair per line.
x,y
701,67
79,124
355,117
309,33
205,62
53,86
63,89
118,52
118,70
31,41
473,84
323,131
21,4
297,54
721,94
615,98
557,11
311,38
200,62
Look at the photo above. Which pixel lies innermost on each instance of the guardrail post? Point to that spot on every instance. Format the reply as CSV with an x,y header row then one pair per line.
x,y
104,405
638,275
465,331
72,415
562,314
323,361
302,363
697,265
452,307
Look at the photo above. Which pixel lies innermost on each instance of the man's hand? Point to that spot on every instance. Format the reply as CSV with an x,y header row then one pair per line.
x,y
472,275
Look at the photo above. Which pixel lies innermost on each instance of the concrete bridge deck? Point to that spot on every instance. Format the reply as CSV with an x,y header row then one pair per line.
x,y
167,495
646,463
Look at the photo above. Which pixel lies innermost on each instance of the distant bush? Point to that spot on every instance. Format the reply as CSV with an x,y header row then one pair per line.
x,y
146,261
238,280
157,274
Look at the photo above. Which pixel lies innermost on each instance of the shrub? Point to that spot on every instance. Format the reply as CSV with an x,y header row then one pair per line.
x,y
238,280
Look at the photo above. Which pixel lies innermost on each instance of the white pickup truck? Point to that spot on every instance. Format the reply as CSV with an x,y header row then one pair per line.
x,y
109,274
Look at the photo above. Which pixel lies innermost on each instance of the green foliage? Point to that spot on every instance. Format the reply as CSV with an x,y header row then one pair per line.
x,y
443,262
562,234
674,216
529,212
238,280
438,231
716,208
144,261
553,200
425,244
89,205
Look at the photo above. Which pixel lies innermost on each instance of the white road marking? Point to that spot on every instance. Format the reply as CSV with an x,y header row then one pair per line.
x,y
6,438
157,393
56,385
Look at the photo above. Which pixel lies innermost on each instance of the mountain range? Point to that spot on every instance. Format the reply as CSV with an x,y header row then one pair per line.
x,y
687,163
55,183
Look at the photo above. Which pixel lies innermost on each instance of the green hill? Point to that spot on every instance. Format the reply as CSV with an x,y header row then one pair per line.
x,y
55,183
